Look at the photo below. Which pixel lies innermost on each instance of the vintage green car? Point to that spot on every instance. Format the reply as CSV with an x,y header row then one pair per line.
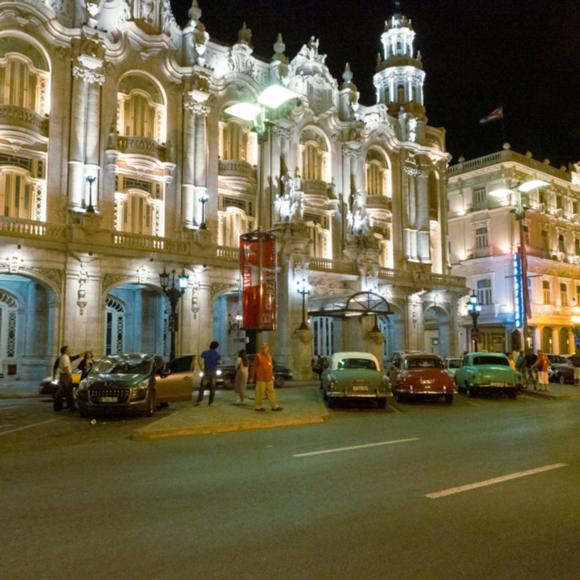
x,y
485,372
354,375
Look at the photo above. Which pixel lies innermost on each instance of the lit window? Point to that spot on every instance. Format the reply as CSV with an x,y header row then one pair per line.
x,y
481,238
546,292
563,294
484,292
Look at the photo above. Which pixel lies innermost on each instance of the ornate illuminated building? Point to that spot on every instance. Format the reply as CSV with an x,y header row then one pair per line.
x,y
118,160
484,236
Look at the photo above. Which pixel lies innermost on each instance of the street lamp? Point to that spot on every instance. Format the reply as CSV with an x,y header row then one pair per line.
x,y
90,180
575,319
271,98
521,287
173,287
303,288
203,199
474,310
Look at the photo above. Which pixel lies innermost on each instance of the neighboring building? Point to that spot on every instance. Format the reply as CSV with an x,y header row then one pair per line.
x,y
117,161
484,235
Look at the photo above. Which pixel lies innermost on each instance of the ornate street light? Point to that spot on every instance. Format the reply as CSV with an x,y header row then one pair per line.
x,y
303,288
90,180
173,287
203,200
474,310
519,212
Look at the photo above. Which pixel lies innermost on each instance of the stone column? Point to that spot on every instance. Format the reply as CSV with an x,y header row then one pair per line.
x,y
414,323
77,138
571,341
538,337
556,347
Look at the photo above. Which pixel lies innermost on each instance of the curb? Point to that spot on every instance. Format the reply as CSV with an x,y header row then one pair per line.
x,y
147,434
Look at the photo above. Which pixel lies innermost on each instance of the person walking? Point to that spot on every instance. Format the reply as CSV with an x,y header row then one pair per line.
x,y
530,370
63,372
541,365
86,364
241,378
510,356
210,360
264,375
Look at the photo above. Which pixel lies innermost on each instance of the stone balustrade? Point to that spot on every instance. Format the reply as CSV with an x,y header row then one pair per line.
x,y
314,187
237,168
141,146
25,118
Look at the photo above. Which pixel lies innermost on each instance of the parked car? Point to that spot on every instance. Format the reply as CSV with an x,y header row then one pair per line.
x,y
416,375
135,383
452,364
485,372
561,372
354,375
49,385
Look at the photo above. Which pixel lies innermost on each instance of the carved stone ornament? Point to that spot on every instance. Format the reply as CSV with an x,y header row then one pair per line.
x,y
305,335
196,103
217,288
240,60
88,75
112,280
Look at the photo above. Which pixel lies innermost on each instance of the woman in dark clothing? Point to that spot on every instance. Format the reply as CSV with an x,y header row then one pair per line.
x,y
86,364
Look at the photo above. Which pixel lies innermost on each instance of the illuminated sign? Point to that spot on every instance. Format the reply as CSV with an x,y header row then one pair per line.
x,y
518,292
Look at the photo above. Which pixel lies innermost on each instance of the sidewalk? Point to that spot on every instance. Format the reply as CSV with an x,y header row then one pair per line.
x,y
15,389
301,402
556,392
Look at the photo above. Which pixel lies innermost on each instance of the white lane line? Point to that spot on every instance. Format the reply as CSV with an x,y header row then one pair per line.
x,y
27,427
391,406
340,449
494,481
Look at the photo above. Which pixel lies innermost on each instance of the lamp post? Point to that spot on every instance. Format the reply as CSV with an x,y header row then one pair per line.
x,y
304,290
519,211
203,200
173,286
271,98
90,180
575,319
474,310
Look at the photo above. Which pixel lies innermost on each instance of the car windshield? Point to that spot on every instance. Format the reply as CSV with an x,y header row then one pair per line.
x,y
423,363
555,358
134,366
454,363
357,363
491,360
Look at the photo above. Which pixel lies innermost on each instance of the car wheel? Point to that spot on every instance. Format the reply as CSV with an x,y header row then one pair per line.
x,y
399,397
381,403
330,402
513,393
470,391
449,399
151,404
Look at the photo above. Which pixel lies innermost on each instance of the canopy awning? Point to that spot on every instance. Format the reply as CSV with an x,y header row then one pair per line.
x,y
359,304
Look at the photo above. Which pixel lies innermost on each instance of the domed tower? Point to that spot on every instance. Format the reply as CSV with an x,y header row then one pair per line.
x,y
400,77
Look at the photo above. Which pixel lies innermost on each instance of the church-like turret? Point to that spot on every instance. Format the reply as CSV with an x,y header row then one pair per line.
x,y
400,77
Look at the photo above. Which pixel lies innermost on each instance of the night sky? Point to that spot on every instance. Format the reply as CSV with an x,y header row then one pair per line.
x,y
478,54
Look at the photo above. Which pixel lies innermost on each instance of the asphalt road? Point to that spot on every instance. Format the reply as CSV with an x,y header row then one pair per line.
x,y
368,494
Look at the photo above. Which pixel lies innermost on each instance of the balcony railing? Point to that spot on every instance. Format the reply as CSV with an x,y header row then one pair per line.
x,y
141,146
228,253
314,187
237,168
32,229
25,118
379,202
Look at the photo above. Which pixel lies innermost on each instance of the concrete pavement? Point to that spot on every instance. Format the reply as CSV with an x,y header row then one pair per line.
x,y
301,403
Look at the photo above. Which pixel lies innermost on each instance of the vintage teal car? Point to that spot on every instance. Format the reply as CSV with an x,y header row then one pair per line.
x,y
485,372
354,375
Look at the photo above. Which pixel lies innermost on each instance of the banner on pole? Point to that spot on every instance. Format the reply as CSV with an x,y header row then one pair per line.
x,y
258,273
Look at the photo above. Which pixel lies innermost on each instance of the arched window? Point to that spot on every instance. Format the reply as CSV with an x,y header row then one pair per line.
x,y
314,158
114,325
141,109
8,328
24,75
137,213
233,223
561,243
17,194
376,174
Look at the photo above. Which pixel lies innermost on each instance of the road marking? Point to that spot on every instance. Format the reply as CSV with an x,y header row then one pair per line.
x,y
2,407
340,449
395,408
494,481
27,427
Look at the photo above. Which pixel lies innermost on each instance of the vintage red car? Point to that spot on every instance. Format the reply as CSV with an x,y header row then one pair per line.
x,y
416,374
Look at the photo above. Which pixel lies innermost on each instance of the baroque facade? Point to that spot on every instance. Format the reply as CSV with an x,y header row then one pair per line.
x,y
484,235
118,161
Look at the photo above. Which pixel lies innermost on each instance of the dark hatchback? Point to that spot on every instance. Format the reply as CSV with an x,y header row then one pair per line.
x,y
132,383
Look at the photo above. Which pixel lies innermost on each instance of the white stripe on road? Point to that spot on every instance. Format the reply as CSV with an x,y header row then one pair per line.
x,y
28,427
494,481
340,449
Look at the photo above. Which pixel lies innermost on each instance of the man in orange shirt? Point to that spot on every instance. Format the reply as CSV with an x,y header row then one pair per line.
x,y
264,375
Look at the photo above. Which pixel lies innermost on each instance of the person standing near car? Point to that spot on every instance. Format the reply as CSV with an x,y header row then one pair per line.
x,y
63,371
86,364
241,378
264,375
530,370
210,360
541,365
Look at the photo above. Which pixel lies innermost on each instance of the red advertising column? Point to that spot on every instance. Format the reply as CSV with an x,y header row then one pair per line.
x,y
258,273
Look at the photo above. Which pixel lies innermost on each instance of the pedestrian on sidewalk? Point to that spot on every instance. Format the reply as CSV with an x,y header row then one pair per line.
x,y
264,375
241,378
63,373
541,365
210,360
530,370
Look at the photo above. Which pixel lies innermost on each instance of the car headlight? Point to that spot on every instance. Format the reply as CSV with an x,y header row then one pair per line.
x,y
219,372
143,384
200,374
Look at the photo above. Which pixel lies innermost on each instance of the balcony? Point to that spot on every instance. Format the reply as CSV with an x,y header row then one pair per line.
x,y
32,229
237,168
379,202
315,188
142,146
23,118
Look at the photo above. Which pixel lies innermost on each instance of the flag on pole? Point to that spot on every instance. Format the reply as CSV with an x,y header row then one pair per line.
x,y
495,115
